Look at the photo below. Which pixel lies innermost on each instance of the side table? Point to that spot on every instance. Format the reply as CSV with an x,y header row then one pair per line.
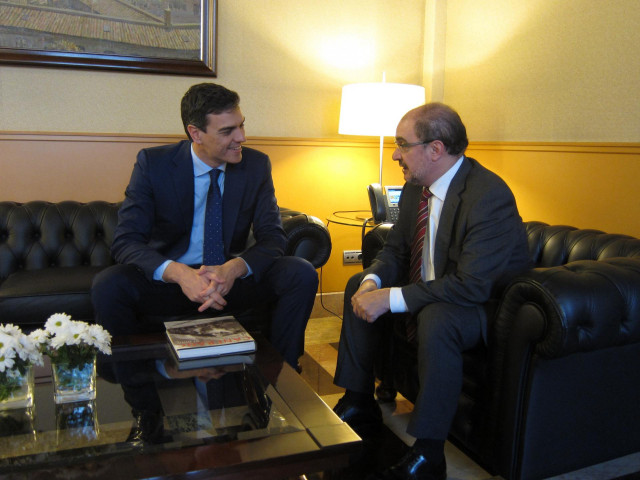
x,y
353,218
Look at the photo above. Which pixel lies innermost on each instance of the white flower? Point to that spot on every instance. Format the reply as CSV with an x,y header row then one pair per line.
x,y
61,339
39,336
30,351
7,341
7,361
68,339
17,350
10,330
77,332
57,322
100,338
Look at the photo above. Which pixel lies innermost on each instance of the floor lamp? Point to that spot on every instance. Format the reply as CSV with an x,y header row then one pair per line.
x,y
376,108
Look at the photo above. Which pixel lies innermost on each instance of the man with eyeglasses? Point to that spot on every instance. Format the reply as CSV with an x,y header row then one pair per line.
x,y
458,237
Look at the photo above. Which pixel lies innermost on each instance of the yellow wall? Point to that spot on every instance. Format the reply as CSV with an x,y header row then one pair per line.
x,y
321,177
556,182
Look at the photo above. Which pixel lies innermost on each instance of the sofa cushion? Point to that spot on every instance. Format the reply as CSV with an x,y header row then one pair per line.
x,y
29,297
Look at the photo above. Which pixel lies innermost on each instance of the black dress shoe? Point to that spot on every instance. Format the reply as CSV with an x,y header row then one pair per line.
x,y
365,420
413,466
148,427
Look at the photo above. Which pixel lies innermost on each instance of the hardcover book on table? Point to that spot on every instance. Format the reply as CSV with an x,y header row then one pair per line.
x,y
229,362
208,337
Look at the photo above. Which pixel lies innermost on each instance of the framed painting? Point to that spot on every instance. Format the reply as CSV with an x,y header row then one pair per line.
x,y
154,36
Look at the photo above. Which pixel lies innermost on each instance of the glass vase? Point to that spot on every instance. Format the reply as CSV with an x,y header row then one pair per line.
x,y
17,389
76,424
74,384
17,432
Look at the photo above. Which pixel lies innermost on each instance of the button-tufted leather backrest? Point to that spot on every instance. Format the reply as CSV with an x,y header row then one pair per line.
x,y
39,234
549,245
554,245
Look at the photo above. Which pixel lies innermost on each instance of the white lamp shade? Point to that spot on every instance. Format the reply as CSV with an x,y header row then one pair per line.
x,y
376,108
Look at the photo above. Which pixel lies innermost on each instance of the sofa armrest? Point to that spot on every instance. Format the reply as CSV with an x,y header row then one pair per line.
x,y
307,237
373,242
581,306
587,308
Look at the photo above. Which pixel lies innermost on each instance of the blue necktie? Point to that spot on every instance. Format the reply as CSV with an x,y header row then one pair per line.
x,y
213,247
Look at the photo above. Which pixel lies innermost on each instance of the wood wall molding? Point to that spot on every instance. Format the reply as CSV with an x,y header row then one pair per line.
x,y
564,147
88,137
351,141
347,142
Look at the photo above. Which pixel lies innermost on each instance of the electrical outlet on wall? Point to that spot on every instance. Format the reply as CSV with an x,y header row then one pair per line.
x,y
351,256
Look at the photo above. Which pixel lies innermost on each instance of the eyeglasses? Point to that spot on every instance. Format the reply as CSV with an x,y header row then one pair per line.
x,y
404,147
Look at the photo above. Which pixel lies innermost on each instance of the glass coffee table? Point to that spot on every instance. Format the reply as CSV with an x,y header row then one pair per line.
x,y
253,419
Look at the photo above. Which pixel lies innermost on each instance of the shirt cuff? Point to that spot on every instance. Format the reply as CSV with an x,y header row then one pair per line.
x,y
373,277
396,301
161,368
249,271
157,275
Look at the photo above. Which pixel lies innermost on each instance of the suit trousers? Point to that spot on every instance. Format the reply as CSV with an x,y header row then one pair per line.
x,y
444,332
126,302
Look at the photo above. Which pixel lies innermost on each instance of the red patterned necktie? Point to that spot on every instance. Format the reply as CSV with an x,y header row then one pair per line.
x,y
415,264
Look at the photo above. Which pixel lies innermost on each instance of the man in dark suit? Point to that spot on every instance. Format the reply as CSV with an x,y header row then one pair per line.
x,y
159,242
472,241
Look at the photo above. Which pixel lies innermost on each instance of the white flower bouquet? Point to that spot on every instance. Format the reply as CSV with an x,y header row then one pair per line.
x,y
18,352
72,342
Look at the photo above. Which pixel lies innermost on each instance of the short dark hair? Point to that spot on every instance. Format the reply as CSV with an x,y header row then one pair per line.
x,y
205,98
436,121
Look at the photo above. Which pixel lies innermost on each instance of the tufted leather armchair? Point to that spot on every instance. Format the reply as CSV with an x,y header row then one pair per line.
x,y
50,252
557,388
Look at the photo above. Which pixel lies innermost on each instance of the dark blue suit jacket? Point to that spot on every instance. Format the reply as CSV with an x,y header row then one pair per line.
x,y
155,220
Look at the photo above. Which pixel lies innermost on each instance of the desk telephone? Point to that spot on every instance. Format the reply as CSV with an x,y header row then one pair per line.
x,y
384,205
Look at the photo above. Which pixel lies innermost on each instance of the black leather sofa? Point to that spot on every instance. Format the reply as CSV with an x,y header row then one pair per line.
x,y
50,252
558,386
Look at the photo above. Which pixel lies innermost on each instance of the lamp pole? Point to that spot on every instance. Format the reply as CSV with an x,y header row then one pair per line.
x,y
384,79
381,145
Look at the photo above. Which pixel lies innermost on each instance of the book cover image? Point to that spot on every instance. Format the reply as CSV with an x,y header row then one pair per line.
x,y
208,336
